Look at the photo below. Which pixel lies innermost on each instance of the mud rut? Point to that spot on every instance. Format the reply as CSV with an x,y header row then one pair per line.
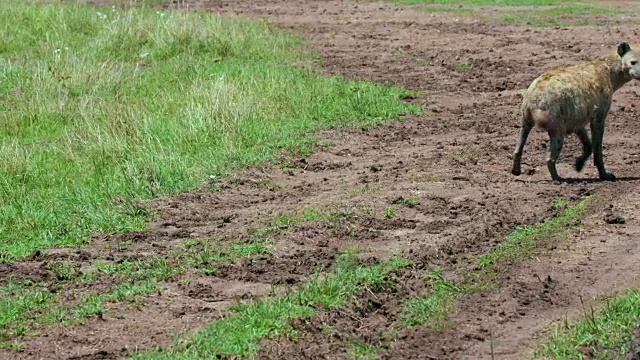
x,y
454,158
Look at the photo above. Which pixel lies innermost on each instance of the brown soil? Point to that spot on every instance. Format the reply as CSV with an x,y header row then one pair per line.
x,y
455,159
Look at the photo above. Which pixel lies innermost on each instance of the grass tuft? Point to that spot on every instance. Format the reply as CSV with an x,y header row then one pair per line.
x,y
522,240
605,334
432,309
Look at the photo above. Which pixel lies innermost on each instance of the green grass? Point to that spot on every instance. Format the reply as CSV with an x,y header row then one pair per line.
x,y
408,202
607,331
103,107
18,304
433,308
204,254
389,212
564,12
559,16
447,9
361,350
464,65
521,241
485,2
240,333
24,307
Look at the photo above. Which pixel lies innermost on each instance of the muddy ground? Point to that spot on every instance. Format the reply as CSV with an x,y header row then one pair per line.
x,y
454,158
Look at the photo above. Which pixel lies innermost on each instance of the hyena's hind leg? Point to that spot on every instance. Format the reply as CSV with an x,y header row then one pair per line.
x,y
587,148
525,129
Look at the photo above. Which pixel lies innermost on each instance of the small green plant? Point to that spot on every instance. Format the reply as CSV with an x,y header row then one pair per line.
x,y
560,202
465,65
389,212
63,270
253,248
14,345
190,243
325,143
362,350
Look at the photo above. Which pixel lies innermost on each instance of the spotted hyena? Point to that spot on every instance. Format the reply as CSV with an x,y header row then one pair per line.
x,y
565,100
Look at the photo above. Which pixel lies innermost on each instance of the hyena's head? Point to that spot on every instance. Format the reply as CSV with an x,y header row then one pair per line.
x,y
630,59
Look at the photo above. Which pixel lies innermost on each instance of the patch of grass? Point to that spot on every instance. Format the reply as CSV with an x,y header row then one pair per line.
x,y
240,333
389,212
433,308
353,250
26,308
485,2
558,16
106,106
282,223
286,222
409,202
205,254
156,268
607,332
447,9
362,350
14,345
252,248
464,65
63,270
367,189
19,303
22,306
560,202
522,240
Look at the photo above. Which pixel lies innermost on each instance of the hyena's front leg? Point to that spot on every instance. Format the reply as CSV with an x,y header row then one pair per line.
x,y
597,135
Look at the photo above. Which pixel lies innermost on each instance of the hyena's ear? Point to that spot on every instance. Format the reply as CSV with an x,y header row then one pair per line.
x,y
623,48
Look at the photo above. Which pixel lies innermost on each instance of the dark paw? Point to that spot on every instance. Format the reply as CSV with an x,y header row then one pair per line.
x,y
579,164
608,176
516,172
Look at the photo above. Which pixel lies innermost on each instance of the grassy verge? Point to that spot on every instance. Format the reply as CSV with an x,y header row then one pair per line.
x,y
102,107
432,308
27,306
486,2
240,333
559,12
559,16
522,240
603,334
